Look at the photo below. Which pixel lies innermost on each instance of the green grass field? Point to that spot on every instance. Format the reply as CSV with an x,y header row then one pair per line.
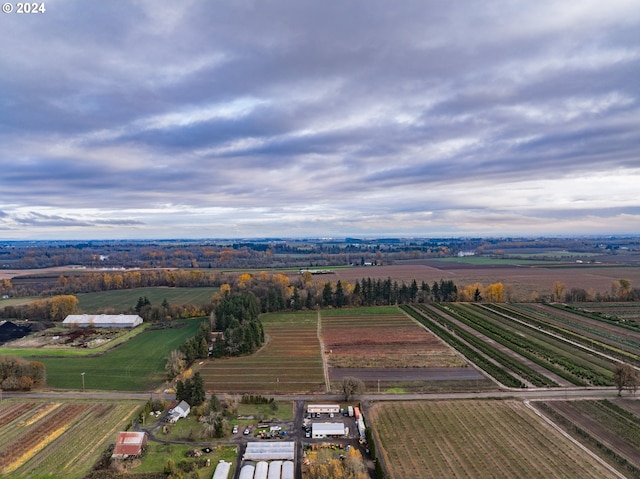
x,y
124,299
137,365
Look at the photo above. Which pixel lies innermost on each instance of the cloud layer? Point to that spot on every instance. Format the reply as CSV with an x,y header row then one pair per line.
x,y
137,119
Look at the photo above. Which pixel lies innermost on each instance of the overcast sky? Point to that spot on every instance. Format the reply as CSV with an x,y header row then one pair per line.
x,y
227,119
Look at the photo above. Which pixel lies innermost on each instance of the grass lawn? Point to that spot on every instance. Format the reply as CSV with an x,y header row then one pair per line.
x,y
137,365
157,454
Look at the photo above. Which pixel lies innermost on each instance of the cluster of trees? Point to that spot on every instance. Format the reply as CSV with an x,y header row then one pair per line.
x,y
377,292
197,346
18,374
237,317
50,309
191,390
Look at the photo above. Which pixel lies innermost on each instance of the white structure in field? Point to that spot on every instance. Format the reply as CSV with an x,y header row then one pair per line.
x,y
287,470
102,320
262,469
321,430
270,451
222,470
247,471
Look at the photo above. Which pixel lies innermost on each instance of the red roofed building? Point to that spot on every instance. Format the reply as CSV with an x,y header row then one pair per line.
x,y
129,444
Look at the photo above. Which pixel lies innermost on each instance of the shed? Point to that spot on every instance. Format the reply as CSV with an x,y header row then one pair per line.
x,y
320,430
102,320
323,408
129,444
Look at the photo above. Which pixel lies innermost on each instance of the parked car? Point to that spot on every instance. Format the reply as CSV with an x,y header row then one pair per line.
x,y
247,431
235,430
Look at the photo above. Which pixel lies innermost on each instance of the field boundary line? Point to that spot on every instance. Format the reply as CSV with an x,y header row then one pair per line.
x,y
325,367
576,442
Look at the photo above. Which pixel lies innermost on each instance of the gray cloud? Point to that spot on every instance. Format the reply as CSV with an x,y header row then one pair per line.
x,y
259,118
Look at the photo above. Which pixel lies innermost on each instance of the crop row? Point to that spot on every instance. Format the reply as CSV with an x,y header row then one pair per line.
x,y
557,358
556,411
511,363
75,452
598,316
566,358
430,320
33,436
605,342
475,439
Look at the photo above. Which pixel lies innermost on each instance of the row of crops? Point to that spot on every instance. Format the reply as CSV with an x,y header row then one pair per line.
x,y
468,438
517,347
611,428
601,335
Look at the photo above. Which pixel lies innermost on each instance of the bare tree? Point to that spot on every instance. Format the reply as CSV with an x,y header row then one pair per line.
x,y
626,377
352,386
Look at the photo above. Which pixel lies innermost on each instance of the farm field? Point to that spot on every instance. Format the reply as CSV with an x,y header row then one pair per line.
x,y
609,427
289,362
624,310
122,299
137,365
475,439
521,282
549,358
58,439
614,337
388,350
382,337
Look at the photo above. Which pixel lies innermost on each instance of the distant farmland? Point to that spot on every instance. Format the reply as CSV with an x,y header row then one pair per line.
x,y
127,298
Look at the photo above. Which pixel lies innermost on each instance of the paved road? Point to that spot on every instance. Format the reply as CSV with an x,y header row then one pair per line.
x,y
533,393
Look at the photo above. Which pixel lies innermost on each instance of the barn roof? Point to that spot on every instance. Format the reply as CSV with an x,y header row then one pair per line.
x,y
101,318
129,443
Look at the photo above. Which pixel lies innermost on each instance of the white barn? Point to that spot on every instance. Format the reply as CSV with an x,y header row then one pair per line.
x,y
102,320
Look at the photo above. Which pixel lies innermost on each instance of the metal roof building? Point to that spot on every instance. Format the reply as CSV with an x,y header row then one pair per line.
x,y
321,430
102,320
128,444
270,451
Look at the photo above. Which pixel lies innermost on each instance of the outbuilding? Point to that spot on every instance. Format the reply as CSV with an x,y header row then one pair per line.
x,y
270,451
323,408
321,430
129,444
102,321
